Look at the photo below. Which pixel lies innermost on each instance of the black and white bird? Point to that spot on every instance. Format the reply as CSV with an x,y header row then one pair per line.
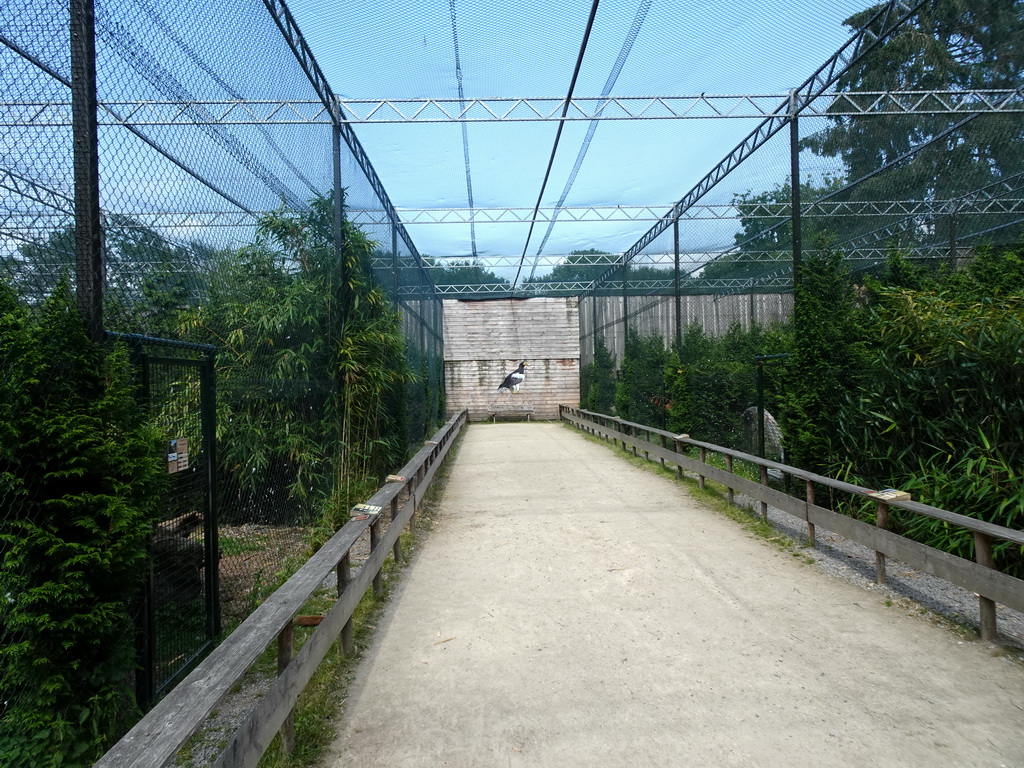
x,y
514,379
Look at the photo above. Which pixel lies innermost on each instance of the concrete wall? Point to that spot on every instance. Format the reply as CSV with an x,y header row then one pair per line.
x,y
486,340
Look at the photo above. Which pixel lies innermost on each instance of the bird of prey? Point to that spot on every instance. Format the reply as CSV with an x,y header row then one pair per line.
x,y
514,379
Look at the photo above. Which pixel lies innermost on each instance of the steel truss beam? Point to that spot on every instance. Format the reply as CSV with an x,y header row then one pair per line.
x,y
704,106
489,110
724,212
198,220
27,189
979,200
654,287
44,218
884,22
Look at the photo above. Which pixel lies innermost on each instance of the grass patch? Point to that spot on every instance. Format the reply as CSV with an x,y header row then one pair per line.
x,y
231,546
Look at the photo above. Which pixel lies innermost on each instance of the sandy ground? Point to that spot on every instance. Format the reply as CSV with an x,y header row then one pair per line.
x,y
572,610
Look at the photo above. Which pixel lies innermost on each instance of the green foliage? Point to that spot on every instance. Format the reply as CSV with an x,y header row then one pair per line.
x,y
939,414
713,381
460,272
597,380
312,371
993,273
639,393
764,243
826,361
81,483
954,45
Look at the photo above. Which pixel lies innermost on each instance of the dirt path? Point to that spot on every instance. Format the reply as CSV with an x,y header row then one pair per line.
x,y
572,610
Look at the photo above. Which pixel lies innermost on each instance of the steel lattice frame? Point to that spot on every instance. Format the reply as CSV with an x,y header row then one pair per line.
x,y
489,110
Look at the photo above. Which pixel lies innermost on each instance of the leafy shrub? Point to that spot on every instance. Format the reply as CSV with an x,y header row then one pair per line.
x,y
826,361
940,414
639,393
81,483
313,379
597,380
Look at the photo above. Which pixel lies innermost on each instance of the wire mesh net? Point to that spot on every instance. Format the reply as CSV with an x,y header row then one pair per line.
x,y
238,211
228,235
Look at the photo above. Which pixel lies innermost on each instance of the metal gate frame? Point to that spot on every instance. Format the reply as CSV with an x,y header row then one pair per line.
x,y
148,686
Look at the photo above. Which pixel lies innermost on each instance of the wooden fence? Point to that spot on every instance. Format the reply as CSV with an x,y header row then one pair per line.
x,y
978,576
157,738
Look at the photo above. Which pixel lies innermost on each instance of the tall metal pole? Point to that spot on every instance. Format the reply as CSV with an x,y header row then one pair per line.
x,y
794,174
952,238
89,263
679,316
394,255
625,307
338,197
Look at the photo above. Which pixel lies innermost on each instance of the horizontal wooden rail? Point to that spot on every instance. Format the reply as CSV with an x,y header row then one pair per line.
x,y
156,739
977,576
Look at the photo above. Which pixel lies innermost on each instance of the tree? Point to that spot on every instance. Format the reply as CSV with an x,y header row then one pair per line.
x,y
312,371
82,486
826,361
585,266
951,45
597,380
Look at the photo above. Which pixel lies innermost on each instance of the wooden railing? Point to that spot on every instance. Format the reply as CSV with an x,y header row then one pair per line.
x,y
978,576
157,738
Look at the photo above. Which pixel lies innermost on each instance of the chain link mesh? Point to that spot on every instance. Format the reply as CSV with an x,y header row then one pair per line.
x,y
185,210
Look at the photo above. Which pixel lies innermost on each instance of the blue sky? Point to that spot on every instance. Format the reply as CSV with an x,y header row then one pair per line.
x,y
394,49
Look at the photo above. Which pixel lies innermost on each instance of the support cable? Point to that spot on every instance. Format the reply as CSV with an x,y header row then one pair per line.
x,y
558,135
465,130
620,62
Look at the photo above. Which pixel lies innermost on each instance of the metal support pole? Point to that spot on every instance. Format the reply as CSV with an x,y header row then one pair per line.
x,y
679,315
208,417
794,173
952,239
760,409
338,198
89,263
625,307
394,256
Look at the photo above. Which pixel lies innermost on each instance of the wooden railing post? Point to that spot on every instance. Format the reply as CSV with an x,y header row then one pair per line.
x,y
661,439
378,580
810,503
764,484
285,642
882,521
703,460
344,576
397,550
730,492
679,449
986,606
